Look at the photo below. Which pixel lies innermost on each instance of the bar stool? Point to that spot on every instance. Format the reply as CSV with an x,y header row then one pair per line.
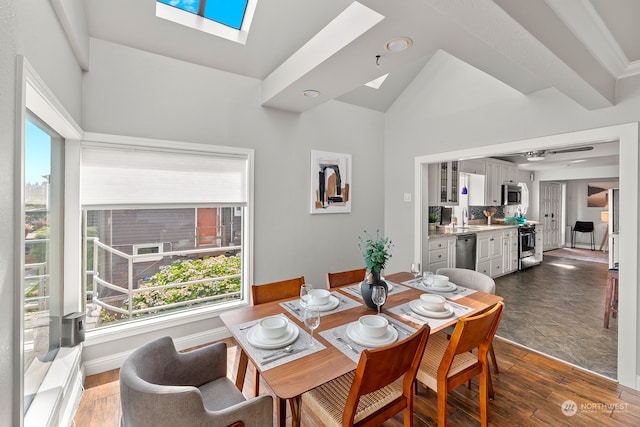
x,y
611,297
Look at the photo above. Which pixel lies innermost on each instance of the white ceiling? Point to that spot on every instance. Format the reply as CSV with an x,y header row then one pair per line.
x,y
579,47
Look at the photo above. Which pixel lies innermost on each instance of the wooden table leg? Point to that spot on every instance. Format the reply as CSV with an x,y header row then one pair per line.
x,y
296,411
243,361
281,411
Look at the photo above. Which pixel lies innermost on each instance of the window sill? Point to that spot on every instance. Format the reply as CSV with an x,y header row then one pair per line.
x,y
144,326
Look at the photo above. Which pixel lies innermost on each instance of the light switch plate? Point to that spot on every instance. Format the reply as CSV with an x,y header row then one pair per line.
x,y
407,197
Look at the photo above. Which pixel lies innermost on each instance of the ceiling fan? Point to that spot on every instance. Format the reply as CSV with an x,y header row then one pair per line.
x,y
537,155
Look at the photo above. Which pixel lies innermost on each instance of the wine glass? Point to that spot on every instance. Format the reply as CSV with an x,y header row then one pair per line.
x,y
378,296
427,278
311,320
415,269
305,295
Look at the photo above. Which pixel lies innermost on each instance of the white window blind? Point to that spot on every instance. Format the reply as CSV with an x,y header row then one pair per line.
x,y
143,176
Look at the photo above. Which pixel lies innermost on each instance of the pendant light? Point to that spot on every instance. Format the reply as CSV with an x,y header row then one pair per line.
x,y
464,186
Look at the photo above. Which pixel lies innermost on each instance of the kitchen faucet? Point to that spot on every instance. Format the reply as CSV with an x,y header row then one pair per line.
x,y
465,214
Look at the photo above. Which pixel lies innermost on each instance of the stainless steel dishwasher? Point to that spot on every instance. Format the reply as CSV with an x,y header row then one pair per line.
x,y
466,251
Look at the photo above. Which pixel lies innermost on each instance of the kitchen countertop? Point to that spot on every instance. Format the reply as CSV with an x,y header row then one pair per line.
x,y
447,231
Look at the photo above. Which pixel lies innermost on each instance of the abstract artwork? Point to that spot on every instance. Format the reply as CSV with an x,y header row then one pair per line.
x,y
330,182
597,193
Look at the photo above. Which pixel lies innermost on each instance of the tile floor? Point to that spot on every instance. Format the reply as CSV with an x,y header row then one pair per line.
x,y
557,308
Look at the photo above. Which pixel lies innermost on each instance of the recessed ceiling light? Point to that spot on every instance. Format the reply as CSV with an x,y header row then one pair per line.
x,y
398,44
310,93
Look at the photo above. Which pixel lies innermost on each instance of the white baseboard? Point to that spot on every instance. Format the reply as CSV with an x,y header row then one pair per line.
x,y
114,361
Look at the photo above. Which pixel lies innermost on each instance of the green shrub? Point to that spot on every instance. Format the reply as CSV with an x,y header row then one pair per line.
x,y
186,271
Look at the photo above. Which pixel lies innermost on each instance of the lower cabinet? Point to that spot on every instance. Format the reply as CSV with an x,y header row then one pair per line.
x,y
489,253
539,242
510,253
441,253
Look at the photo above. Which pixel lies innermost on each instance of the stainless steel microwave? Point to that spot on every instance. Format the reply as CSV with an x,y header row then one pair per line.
x,y
511,194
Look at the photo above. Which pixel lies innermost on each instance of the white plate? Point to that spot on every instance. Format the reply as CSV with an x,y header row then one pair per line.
x,y
389,287
256,339
416,305
389,338
333,303
449,288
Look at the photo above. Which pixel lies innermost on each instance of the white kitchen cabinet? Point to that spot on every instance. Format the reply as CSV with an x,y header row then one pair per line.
x,y
475,166
510,252
444,184
509,174
539,242
493,182
489,254
441,253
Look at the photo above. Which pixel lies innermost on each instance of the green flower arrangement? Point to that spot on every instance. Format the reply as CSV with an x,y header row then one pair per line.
x,y
376,251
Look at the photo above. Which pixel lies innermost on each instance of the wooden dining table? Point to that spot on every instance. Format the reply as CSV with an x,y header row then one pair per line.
x,y
290,380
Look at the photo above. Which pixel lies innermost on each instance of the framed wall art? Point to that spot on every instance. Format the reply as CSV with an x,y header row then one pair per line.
x,y
597,193
330,182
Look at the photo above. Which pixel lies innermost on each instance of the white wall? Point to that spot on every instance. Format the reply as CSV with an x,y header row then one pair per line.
x,y
135,93
440,112
35,33
8,224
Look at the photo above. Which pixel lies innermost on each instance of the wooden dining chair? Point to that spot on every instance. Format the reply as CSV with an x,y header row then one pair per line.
x,y
448,363
476,281
345,277
380,387
273,291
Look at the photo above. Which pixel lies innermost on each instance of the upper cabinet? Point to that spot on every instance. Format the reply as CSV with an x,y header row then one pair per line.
x,y
509,174
474,166
493,182
444,183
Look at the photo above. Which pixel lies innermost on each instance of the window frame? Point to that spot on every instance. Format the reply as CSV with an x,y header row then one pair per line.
x,y
200,23
156,323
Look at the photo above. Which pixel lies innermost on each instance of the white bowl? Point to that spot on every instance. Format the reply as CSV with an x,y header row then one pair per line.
x,y
439,281
372,326
319,297
273,326
432,302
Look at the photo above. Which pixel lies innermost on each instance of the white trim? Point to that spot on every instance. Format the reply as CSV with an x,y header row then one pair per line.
x,y
158,323
628,136
114,361
101,139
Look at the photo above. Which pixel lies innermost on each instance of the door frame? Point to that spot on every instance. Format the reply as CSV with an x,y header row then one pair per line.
x,y
629,158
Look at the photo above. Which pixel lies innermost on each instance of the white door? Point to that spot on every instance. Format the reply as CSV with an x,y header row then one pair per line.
x,y
550,213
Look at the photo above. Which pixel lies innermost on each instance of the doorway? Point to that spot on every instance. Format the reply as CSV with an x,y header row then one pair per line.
x,y
627,135
551,214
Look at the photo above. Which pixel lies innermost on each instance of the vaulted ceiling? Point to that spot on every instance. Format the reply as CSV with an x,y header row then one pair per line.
x,y
579,47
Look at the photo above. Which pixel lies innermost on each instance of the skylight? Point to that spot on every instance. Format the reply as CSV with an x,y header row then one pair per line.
x,y
226,12
229,19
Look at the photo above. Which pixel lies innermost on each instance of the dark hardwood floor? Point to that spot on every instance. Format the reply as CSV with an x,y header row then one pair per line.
x,y
557,308
530,389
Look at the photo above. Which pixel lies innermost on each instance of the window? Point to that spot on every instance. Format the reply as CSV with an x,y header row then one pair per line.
x,y
164,230
43,261
229,19
227,12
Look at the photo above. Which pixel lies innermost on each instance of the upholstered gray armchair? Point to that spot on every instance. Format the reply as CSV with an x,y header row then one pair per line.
x,y
160,387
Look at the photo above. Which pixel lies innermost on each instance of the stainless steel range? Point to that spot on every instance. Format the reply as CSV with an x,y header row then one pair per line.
x,y
526,247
